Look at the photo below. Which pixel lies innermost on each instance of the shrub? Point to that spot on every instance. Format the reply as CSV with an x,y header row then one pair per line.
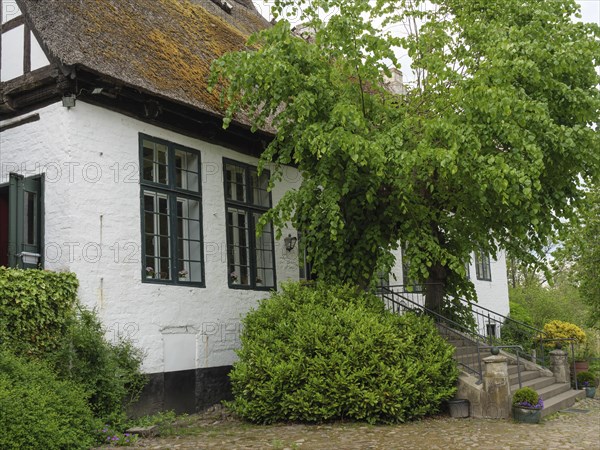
x,y
527,397
110,372
586,378
558,329
36,308
324,353
40,411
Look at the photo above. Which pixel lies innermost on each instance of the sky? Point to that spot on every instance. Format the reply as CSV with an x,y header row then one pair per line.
x,y
590,9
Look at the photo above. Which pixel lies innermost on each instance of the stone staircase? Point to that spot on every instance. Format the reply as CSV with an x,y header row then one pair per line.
x,y
556,396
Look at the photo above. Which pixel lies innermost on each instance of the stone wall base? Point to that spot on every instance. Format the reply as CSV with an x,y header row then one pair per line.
x,y
185,391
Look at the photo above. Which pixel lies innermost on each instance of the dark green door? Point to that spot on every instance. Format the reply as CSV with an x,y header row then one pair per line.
x,y
25,221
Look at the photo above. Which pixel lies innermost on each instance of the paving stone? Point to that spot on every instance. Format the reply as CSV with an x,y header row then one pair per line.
x,y
559,431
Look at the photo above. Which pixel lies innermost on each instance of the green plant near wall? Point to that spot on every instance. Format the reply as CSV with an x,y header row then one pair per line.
x,y
40,411
36,306
109,371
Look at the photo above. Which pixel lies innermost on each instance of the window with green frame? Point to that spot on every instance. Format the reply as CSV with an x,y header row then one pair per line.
x,y
250,259
482,266
171,203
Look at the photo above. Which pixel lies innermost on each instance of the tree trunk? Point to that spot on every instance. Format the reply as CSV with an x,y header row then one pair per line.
x,y
435,288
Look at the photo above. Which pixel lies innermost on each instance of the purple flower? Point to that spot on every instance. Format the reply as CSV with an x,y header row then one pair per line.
x,y
538,405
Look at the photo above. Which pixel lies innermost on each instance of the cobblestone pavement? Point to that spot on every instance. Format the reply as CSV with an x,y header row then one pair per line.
x,y
564,430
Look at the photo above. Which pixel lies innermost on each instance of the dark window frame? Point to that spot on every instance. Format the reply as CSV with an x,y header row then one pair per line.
x,y
173,193
483,267
250,208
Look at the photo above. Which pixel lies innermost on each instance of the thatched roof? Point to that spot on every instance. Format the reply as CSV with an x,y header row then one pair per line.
x,y
164,47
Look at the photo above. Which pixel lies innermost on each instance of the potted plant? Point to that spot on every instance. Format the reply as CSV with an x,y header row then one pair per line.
x,y
149,272
587,380
527,406
182,274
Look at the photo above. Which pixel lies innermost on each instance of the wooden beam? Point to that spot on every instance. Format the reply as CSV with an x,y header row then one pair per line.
x,y
27,50
17,122
13,23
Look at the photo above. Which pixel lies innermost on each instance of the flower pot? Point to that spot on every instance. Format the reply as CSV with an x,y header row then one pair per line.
x,y
581,366
590,392
459,408
526,415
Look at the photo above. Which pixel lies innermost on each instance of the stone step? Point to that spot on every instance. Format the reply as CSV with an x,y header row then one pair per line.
x,y
513,368
561,401
469,352
526,375
536,383
553,390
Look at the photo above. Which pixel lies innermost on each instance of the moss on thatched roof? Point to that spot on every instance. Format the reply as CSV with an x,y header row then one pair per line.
x,y
164,47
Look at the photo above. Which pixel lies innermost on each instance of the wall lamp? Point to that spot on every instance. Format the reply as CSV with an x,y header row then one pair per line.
x,y
68,101
290,242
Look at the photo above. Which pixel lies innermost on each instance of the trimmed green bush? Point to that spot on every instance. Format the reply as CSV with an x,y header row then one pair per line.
x,y
526,396
40,411
314,354
36,308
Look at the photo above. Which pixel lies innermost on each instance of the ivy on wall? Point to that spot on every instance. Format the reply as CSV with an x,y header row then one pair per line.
x,y
35,308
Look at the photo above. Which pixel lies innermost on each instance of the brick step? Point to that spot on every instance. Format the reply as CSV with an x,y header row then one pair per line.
x,y
561,401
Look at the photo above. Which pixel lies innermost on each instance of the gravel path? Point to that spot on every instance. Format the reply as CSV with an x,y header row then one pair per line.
x,y
216,430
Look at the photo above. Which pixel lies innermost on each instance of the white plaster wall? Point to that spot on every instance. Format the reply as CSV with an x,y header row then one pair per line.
x,y
13,49
90,156
492,294
92,227
10,10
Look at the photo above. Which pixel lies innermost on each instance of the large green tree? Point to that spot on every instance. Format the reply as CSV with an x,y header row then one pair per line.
x,y
579,253
485,150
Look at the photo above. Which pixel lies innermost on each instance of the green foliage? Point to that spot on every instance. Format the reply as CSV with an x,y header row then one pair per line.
x,y
110,372
586,378
40,411
36,308
525,395
325,353
538,305
580,252
558,329
485,150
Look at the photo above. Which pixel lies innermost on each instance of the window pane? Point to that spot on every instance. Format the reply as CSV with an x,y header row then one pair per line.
x,y
235,178
260,195
187,170
157,232
189,246
238,251
155,162
265,273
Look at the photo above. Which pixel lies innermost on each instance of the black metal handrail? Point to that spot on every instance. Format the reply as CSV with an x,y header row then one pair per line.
x,y
489,323
399,303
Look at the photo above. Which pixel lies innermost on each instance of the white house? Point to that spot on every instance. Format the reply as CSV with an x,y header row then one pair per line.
x,y
114,165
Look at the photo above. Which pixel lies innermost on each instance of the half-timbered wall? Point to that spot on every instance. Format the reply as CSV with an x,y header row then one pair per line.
x,y
20,52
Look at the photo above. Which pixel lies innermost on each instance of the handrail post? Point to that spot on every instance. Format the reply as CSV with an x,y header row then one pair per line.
x,y
488,329
574,368
519,369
